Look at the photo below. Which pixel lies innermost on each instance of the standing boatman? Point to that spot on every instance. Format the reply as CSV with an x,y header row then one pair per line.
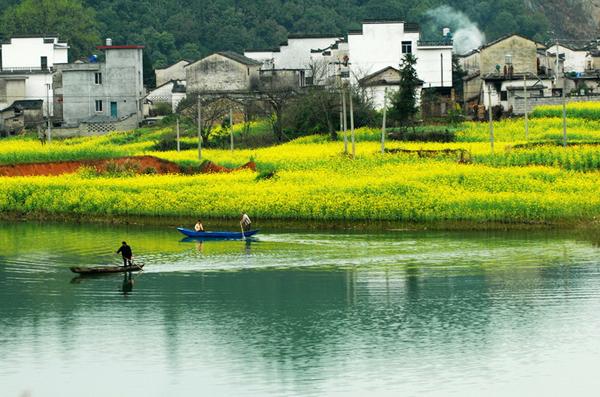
x,y
125,251
245,222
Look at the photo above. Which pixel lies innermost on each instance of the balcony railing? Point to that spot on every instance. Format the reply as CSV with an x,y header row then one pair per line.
x,y
25,70
434,43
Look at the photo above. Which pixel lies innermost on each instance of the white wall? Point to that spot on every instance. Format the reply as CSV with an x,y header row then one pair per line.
x,y
379,46
533,87
574,60
266,57
295,55
161,94
36,88
431,62
27,53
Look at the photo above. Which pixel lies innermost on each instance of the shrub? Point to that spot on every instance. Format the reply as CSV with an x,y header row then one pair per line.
x,y
422,136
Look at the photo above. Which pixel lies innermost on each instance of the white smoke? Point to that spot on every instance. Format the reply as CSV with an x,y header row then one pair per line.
x,y
466,34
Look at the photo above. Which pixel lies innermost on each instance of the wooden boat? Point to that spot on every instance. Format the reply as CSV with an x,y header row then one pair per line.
x,y
106,269
217,235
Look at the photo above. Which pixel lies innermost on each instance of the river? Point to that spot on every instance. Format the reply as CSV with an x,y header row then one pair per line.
x,y
299,313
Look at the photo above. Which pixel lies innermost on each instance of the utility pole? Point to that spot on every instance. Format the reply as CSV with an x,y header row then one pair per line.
x,y
199,129
231,127
341,113
345,115
491,119
384,120
352,125
49,126
563,95
564,116
526,108
178,144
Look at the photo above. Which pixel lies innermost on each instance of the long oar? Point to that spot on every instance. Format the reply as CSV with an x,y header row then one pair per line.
x,y
242,227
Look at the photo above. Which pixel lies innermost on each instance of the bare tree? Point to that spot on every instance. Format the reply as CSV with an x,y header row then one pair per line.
x,y
213,110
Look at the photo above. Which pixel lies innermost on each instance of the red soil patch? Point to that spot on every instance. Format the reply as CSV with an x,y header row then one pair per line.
x,y
140,164
209,167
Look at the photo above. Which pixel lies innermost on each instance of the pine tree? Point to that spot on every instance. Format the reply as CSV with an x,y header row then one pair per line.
x,y
404,101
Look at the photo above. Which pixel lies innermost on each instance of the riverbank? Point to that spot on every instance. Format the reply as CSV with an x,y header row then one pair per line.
x,y
293,225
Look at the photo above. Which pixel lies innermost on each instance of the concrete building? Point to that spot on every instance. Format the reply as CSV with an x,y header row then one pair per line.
x,y
22,114
574,58
175,72
26,69
295,53
381,44
171,92
307,56
381,83
102,92
504,67
223,71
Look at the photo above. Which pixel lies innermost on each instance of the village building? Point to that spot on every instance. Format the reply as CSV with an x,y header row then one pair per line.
x,y
377,50
106,95
294,54
575,59
381,44
223,71
367,56
380,85
502,70
174,72
22,114
26,66
172,92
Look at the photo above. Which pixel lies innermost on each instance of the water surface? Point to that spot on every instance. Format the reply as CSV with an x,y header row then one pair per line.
x,y
299,313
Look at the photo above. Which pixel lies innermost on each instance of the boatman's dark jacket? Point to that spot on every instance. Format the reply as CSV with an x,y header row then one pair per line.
x,y
125,250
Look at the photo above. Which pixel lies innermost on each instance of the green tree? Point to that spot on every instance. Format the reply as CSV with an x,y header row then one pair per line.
x,y
404,101
149,76
70,19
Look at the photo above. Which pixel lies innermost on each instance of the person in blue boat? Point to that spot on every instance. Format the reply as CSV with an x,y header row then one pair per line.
x,y
125,251
199,227
245,222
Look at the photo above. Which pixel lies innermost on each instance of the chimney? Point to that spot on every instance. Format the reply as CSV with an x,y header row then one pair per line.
x,y
109,42
445,32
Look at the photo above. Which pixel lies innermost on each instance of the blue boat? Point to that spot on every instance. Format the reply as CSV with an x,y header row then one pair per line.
x,y
217,235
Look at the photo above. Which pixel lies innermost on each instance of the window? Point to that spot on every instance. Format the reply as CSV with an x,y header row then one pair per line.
x,y
407,47
44,63
503,95
98,78
98,106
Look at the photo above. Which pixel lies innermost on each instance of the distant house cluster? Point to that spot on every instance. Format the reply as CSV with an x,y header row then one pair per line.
x,y
105,92
504,71
39,87
369,57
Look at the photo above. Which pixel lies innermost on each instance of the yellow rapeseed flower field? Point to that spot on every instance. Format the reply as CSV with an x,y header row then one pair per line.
x,y
314,179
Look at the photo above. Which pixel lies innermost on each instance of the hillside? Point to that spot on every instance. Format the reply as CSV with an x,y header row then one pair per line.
x,y
174,29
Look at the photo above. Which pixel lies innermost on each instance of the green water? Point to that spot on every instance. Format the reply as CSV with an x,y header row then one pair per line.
x,y
299,314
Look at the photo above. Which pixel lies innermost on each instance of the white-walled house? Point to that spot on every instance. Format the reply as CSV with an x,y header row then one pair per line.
x,y
295,53
299,52
382,85
381,44
575,60
171,92
26,69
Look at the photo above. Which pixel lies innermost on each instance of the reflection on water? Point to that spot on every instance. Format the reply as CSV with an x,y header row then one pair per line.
x,y
402,313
